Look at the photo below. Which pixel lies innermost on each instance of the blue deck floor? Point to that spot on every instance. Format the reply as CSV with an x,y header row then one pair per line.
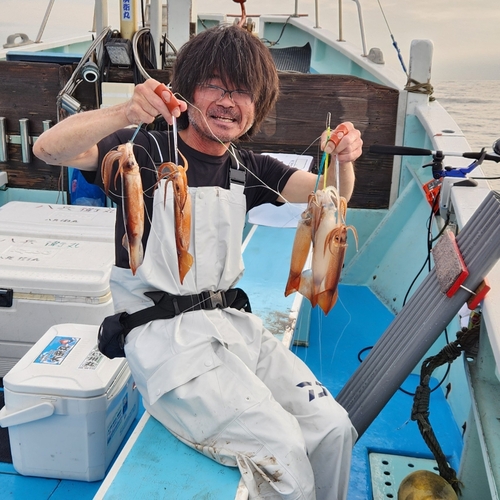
x,y
356,322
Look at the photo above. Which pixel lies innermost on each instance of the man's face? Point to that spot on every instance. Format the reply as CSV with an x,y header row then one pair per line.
x,y
220,116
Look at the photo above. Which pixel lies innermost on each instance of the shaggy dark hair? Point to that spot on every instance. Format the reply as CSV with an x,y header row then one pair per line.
x,y
238,58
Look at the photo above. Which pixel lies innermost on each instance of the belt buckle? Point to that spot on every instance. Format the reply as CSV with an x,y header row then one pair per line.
x,y
217,299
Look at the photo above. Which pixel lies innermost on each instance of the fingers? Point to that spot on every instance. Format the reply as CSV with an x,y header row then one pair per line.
x,y
345,141
169,99
151,99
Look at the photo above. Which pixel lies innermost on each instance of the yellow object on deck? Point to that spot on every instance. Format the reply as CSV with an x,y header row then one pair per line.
x,y
425,485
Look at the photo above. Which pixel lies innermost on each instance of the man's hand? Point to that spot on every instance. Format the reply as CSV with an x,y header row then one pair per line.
x,y
151,99
349,147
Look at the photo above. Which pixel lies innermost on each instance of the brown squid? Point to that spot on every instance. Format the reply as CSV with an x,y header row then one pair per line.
x,y
132,199
323,225
176,174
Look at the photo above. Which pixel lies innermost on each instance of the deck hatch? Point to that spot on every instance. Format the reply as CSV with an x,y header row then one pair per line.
x,y
388,471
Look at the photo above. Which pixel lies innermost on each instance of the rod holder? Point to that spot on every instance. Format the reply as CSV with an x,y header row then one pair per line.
x,y
25,140
3,140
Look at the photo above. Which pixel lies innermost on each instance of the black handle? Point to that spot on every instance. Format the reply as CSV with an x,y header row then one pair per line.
x,y
408,151
399,150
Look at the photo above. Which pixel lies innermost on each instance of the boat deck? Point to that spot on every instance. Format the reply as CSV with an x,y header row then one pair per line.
x,y
336,344
159,466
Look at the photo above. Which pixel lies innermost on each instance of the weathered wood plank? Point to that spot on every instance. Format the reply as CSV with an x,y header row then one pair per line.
x,y
29,90
292,127
300,117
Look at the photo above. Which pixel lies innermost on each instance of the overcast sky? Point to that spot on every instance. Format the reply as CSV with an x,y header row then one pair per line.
x,y
466,33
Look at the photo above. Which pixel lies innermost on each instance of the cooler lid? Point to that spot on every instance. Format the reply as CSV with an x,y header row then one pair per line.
x,y
55,266
65,362
49,220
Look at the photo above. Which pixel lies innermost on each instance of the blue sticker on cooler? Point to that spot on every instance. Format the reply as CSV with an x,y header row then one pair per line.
x,y
55,352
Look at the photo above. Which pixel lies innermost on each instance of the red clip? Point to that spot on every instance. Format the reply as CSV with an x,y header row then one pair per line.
x,y
479,294
173,103
337,135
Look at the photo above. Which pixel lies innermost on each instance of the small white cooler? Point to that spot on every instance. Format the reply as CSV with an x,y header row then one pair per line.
x,y
67,406
46,281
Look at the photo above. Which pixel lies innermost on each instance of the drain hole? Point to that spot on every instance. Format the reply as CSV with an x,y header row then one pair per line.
x,y
385,462
411,465
388,483
390,495
387,473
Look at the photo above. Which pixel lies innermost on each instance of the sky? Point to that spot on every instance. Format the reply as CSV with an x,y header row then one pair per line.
x,y
465,33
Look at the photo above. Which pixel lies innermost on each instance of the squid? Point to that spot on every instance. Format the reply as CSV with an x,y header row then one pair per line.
x,y
132,199
176,174
322,224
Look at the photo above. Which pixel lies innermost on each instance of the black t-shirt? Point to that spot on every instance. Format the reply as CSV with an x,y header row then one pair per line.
x,y
265,176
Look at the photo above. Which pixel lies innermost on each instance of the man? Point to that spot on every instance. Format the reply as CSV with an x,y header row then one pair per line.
x,y
215,377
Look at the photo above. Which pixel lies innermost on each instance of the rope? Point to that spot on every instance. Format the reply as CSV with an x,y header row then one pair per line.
x,y
420,88
466,341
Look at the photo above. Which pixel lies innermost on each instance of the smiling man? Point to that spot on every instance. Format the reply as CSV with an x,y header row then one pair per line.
x,y
206,367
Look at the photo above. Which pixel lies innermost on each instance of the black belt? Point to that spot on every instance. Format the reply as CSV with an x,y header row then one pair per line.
x,y
167,305
114,329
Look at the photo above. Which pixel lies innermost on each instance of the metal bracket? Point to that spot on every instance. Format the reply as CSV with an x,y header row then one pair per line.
x,y
24,138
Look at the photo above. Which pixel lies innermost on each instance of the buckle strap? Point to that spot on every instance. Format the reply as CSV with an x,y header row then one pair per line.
x,y
212,300
167,306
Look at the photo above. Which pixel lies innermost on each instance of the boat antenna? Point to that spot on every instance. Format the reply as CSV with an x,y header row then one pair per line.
x,y
394,43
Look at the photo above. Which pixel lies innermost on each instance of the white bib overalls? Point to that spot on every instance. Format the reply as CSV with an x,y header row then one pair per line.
x,y
217,379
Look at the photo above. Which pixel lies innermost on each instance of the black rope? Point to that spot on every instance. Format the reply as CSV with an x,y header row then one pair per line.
x,y
466,341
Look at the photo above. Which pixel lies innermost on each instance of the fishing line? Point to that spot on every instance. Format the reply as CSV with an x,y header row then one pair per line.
x,y
320,170
228,150
343,330
394,43
118,193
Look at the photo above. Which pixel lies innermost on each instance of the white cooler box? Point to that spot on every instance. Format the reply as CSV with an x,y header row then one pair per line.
x,y
67,406
46,281
49,220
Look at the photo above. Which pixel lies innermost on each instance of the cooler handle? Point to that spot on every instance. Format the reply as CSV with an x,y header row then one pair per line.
x,y
37,412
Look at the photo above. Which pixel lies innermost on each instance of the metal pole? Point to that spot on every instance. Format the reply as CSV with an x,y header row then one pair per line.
x,y
341,35
316,10
296,8
44,21
101,16
3,139
128,18
156,27
25,140
361,27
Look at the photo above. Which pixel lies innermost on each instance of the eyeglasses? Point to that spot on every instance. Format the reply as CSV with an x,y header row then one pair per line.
x,y
215,93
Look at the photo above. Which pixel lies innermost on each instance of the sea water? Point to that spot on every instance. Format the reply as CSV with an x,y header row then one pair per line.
x,y
475,106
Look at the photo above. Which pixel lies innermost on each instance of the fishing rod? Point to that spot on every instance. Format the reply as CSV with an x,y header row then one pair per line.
x,y
438,157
